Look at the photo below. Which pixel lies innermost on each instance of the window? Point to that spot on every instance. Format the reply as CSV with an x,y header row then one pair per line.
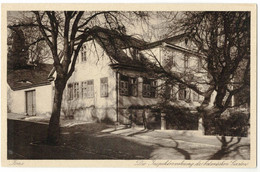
x,y
133,87
182,92
84,53
128,86
87,89
70,91
149,88
73,91
76,90
124,85
104,87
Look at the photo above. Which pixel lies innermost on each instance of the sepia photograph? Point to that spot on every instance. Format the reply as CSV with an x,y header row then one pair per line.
x,y
158,87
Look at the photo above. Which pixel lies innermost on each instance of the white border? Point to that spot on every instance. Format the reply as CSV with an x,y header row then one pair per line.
x,y
136,1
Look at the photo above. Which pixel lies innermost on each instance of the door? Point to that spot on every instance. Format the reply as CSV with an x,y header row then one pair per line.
x,y
30,102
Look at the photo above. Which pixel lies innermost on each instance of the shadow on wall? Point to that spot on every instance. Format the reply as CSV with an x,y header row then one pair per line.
x,y
136,115
78,111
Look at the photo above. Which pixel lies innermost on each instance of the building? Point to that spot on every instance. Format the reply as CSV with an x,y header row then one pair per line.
x,y
29,90
112,81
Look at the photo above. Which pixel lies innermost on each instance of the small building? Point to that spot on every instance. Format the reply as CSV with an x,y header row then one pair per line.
x,y
29,90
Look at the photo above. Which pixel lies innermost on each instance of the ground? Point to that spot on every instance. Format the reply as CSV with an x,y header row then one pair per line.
x,y
82,140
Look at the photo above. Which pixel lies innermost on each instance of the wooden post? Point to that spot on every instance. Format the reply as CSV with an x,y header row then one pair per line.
x,y
200,127
163,121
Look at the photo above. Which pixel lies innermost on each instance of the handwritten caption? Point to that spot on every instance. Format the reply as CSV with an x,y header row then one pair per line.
x,y
186,163
16,163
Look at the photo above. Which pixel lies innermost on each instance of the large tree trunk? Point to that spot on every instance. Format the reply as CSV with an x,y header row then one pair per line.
x,y
54,124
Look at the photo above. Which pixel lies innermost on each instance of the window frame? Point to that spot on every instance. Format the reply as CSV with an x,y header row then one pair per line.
x,y
86,87
83,53
104,86
128,86
182,88
149,88
73,91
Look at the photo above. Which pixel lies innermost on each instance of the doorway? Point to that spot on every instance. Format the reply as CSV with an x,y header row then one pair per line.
x,y
30,102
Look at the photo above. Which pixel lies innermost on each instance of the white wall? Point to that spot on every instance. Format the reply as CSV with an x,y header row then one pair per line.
x,y
96,67
43,99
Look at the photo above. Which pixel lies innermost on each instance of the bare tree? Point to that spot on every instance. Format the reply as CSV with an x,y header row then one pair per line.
x,y
65,32
222,42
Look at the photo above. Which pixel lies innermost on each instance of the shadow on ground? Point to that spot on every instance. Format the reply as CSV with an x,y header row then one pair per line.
x,y
230,148
78,142
100,141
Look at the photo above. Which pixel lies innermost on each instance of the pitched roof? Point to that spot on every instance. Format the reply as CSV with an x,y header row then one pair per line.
x,y
29,77
170,40
114,42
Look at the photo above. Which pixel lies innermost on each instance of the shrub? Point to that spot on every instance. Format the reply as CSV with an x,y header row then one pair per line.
x,y
232,122
180,118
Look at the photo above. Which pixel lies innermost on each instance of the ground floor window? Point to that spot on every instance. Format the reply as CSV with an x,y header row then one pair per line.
x,y
73,91
88,89
104,87
182,92
70,91
128,86
149,88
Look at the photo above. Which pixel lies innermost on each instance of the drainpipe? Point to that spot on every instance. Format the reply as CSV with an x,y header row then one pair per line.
x,y
117,97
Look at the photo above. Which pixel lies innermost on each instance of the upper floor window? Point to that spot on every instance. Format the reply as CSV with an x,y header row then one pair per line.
x,y
128,86
104,87
87,89
84,53
149,88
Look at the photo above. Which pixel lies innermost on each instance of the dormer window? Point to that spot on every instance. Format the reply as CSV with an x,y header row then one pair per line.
x,y
24,82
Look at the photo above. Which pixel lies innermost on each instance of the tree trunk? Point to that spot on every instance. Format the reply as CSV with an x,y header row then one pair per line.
x,y
54,124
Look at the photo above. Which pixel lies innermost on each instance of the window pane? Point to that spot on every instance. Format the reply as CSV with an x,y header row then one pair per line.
x,y
104,87
149,88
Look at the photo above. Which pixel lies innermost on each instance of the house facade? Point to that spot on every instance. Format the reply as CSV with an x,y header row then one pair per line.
x,y
112,81
103,87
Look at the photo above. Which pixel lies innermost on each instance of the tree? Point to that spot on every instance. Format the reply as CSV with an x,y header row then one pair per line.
x,y
26,46
18,51
65,32
222,40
